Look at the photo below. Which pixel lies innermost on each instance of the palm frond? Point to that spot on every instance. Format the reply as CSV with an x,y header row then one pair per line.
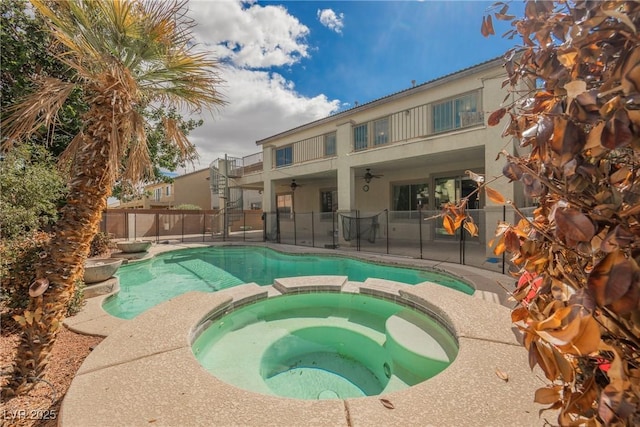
x,y
175,135
40,108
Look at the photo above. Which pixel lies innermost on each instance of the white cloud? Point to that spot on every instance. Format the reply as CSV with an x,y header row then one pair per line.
x,y
251,40
250,35
331,20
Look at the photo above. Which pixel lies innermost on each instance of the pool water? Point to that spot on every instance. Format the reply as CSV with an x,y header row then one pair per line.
x,y
149,283
324,346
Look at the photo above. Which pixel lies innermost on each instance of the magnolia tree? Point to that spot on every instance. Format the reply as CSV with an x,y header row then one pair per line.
x,y
576,84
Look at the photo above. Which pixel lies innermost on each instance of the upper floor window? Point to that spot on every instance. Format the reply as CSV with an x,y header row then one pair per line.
x,y
457,113
330,144
284,156
167,190
381,131
360,137
158,193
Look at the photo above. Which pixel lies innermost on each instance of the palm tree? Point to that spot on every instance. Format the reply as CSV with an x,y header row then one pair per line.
x,y
128,56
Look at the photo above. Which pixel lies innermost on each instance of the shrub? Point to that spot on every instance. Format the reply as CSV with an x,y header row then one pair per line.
x,y
100,245
188,207
18,258
30,189
578,291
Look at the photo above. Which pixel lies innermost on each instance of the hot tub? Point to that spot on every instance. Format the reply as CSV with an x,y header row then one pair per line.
x,y
324,345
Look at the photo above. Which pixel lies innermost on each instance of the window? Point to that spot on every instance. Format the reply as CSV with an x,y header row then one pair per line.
x,y
329,201
256,206
284,203
158,194
457,113
381,131
284,156
167,190
360,137
330,144
451,189
410,197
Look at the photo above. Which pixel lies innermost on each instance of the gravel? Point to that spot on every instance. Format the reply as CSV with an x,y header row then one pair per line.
x,y
41,406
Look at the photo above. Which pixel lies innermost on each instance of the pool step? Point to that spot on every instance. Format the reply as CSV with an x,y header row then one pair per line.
x,y
487,296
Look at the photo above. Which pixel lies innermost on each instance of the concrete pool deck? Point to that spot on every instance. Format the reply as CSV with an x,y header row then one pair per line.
x,y
144,372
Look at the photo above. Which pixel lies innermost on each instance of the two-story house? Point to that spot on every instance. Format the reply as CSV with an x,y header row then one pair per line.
x,y
403,153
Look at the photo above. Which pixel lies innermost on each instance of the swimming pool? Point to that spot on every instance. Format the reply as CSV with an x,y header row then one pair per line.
x,y
149,283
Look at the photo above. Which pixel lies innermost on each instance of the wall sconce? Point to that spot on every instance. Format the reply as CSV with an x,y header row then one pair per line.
x,y
293,185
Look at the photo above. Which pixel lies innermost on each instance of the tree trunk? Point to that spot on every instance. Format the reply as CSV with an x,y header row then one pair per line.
x,y
91,181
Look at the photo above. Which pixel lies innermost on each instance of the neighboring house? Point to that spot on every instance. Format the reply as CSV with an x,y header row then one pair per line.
x,y
403,152
188,189
155,196
193,189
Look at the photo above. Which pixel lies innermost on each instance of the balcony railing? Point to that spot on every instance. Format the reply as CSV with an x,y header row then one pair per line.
x,y
247,165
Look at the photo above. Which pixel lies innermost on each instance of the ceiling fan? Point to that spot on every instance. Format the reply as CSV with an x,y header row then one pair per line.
x,y
368,176
294,185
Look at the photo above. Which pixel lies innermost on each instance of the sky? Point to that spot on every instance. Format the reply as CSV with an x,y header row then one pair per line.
x,y
287,63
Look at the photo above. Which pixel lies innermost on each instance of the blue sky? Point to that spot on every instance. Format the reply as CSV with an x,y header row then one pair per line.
x,y
286,63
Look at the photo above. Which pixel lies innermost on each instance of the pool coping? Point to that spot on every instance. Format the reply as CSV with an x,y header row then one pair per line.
x,y
143,374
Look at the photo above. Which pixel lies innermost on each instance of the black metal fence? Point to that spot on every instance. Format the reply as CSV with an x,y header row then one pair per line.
x,y
415,234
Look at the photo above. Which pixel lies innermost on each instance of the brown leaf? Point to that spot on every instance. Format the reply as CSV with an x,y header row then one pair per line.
x,y
494,195
500,246
574,224
512,241
611,278
547,395
533,187
448,224
568,138
490,25
513,171
566,370
387,403
484,29
477,178
617,131
471,228
587,341
496,116
502,375
630,301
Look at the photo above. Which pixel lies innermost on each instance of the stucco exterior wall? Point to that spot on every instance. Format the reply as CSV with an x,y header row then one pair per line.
x,y
193,188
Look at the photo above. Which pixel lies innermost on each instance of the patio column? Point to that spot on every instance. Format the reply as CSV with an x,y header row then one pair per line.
x,y
345,175
268,192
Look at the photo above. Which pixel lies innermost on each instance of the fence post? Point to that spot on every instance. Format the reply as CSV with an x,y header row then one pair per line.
x,y
244,226
182,228
295,229
277,226
386,212
157,227
462,245
358,230
313,236
204,225
334,219
135,226
420,227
